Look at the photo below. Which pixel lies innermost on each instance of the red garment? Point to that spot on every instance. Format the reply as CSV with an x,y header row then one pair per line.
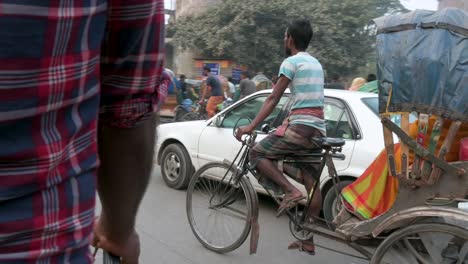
x,y
61,64
315,111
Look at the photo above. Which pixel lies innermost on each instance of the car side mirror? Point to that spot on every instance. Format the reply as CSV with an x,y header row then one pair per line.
x,y
218,121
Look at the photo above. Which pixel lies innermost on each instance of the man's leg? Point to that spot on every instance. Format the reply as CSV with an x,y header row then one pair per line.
x,y
307,176
266,168
210,107
316,203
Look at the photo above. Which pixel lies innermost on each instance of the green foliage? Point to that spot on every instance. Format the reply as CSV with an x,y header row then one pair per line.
x,y
251,32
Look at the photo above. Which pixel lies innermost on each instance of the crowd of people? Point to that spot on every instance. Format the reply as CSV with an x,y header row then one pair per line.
x,y
368,84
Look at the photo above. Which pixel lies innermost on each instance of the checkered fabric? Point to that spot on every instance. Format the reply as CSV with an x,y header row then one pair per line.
x,y
63,63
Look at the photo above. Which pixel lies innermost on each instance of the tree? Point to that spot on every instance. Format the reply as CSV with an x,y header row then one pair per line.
x,y
251,32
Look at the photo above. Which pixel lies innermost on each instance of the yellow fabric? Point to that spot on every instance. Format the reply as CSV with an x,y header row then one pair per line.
x,y
375,191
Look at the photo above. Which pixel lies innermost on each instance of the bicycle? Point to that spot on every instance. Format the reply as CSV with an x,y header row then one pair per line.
x,y
234,196
198,113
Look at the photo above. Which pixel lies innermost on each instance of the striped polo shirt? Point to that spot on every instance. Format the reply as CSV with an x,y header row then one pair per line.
x,y
306,75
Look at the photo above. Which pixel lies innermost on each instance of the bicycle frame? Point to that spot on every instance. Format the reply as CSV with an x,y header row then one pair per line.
x,y
243,167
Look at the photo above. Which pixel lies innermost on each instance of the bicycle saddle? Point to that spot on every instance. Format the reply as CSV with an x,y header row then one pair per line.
x,y
332,142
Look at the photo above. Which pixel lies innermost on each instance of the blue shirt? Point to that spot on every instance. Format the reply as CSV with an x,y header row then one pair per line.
x,y
215,84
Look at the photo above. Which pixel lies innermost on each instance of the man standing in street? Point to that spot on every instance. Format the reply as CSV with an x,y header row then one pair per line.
x,y
246,86
213,85
64,65
183,86
335,82
299,131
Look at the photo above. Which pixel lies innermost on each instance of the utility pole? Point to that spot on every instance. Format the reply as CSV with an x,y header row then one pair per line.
x,y
462,4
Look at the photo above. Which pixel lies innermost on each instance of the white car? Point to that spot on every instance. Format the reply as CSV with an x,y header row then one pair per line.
x,y
184,147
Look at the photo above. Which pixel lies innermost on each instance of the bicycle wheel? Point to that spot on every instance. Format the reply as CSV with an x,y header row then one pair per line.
x,y
219,213
424,243
179,113
192,116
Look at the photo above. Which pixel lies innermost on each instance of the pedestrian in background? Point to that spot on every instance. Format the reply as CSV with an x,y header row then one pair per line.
x,y
213,85
183,86
371,77
357,83
232,87
335,82
247,86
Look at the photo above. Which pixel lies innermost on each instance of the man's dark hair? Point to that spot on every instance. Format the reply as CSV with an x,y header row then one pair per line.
x,y
206,68
371,77
182,76
301,32
246,74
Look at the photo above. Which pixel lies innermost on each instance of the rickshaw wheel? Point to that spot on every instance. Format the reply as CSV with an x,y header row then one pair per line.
x,y
296,229
424,243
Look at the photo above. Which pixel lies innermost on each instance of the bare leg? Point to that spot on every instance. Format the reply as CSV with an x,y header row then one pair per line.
x,y
304,176
267,168
316,203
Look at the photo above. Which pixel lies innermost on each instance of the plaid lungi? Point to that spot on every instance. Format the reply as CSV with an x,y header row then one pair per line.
x,y
297,139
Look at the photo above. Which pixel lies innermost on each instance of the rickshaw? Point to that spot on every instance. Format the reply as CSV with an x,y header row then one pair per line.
x,y
422,62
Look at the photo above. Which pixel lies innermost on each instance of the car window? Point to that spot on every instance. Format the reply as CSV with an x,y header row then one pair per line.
x,y
250,109
373,104
337,116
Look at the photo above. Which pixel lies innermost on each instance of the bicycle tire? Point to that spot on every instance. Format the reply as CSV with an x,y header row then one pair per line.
x,y
244,188
179,113
192,116
398,235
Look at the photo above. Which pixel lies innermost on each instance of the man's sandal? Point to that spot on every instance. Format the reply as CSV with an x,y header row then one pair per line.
x,y
287,204
300,246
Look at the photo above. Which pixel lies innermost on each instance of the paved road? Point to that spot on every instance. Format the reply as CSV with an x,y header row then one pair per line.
x,y
167,238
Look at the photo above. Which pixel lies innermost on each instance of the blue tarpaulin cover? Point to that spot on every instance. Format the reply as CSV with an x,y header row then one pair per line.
x,y
422,57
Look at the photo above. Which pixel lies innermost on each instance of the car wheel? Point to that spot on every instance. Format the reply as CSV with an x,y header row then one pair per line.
x,y
176,166
332,204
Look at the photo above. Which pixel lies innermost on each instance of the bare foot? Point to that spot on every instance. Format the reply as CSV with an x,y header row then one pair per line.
x,y
292,194
304,246
289,200
127,248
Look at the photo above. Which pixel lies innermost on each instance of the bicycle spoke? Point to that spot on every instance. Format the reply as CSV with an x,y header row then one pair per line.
x,y
233,214
218,212
434,245
426,243
463,254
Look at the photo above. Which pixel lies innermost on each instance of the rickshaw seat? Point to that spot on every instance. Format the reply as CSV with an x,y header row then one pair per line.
x,y
333,142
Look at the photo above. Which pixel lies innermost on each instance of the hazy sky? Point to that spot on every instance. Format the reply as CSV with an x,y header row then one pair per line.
x,y
420,4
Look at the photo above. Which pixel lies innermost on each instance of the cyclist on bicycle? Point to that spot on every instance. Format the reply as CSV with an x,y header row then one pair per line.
x,y
213,85
304,75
